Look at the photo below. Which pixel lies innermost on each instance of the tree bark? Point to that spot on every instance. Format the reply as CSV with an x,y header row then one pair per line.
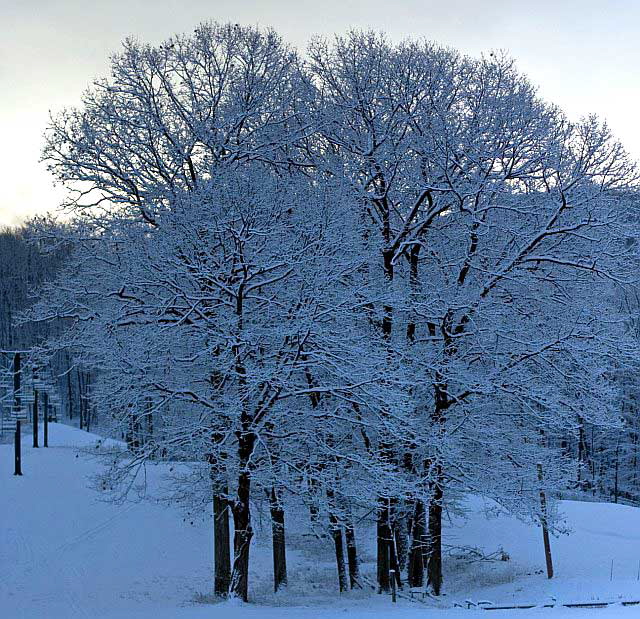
x,y
45,418
434,524
400,538
352,556
415,570
314,512
221,535
384,546
35,418
221,550
81,399
17,410
241,509
336,534
279,541
69,390
241,540
544,523
434,561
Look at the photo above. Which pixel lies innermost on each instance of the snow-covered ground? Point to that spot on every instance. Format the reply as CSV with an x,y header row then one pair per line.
x,y
65,554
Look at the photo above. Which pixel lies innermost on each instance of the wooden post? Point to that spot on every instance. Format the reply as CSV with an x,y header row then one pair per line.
x,y
45,408
544,523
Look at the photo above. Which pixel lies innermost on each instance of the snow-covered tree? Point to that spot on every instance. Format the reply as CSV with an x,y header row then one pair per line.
x,y
376,279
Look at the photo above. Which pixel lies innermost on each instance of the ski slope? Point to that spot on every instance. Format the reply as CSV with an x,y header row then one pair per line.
x,y
66,554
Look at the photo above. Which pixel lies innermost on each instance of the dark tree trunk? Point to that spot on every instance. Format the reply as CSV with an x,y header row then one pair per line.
x,y
88,408
69,390
387,316
395,565
545,525
434,561
148,430
413,279
415,570
385,542
221,549
45,408
242,520
81,399
221,535
241,507
133,431
279,541
352,556
400,537
314,512
17,447
583,456
35,418
384,546
17,411
434,523
241,540
336,534
387,555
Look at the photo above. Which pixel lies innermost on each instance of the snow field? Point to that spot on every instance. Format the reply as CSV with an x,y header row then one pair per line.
x,y
66,554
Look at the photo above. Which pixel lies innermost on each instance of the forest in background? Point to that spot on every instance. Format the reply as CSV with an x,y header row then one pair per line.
x,y
24,267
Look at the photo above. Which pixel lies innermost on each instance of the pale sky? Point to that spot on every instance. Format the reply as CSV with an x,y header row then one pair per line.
x,y
582,54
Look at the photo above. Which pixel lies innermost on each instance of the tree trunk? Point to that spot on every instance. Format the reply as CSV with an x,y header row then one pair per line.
x,y
415,570
384,546
434,524
314,512
336,534
413,280
17,410
221,550
45,418
221,536
35,418
393,557
544,523
400,537
69,390
133,431
387,555
148,430
434,561
582,455
279,541
241,540
242,519
80,400
352,556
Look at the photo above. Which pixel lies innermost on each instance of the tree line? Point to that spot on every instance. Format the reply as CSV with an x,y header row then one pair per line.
x,y
25,265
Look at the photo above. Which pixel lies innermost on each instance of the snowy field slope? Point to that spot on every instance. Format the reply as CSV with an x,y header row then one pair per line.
x,y
65,554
